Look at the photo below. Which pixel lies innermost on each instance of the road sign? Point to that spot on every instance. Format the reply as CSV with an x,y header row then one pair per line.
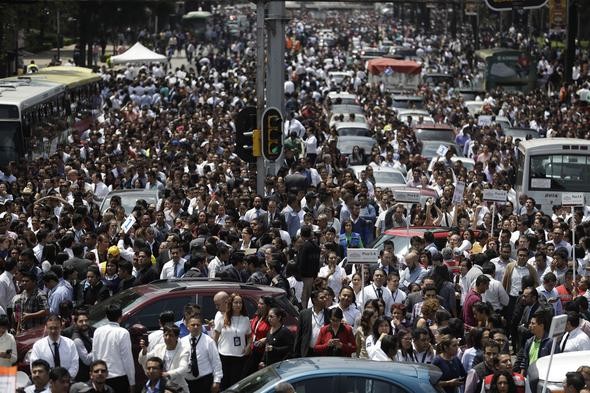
x,y
407,196
508,5
458,194
362,255
572,199
495,195
557,326
272,134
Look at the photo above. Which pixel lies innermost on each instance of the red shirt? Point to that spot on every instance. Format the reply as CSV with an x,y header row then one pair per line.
x,y
472,297
260,328
345,335
565,294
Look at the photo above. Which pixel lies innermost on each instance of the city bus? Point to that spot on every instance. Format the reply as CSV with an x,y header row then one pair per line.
x,y
548,167
33,116
196,22
82,92
509,69
39,111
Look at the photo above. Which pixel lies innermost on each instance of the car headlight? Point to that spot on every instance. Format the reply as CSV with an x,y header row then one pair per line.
x,y
27,358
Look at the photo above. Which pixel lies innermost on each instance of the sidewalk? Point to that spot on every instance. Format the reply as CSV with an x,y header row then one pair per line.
x,y
42,59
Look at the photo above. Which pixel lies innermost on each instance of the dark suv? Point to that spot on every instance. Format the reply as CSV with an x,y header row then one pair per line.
x,y
143,304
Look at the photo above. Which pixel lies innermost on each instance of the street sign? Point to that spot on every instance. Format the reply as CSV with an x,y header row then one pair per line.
x,y
495,195
362,255
572,199
458,194
557,326
407,196
508,5
272,134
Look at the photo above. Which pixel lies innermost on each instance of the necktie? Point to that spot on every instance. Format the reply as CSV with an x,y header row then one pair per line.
x,y
564,342
194,363
56,360
380,293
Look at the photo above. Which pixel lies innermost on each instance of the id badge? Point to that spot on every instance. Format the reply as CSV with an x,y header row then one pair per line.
x,y
237,341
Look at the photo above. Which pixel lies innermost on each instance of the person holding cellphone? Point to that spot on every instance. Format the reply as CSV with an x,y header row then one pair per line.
x,y
453,373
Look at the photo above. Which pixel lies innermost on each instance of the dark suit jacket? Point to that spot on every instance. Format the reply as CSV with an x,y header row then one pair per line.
x,y
522,361
303,338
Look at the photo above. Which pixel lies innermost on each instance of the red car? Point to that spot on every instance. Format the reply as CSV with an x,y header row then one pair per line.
x,y
143,304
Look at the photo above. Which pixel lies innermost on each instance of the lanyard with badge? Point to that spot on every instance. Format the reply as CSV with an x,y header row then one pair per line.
x,y
237,338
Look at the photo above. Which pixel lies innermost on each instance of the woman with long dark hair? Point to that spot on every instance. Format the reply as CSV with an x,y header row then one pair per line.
x,y
406,351
260,327
335,338
368,318
279,340
502,382
381,327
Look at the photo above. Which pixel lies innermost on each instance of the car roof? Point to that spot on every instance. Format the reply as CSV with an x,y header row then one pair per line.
x,y
346,108
175,284
417,231
351,124
301,366
437,127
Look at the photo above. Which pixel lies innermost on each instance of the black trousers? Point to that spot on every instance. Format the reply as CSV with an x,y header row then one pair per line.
x,y
201,385
119,384
232,369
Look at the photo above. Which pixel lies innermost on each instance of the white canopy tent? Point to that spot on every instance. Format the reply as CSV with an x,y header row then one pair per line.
x,y
137,54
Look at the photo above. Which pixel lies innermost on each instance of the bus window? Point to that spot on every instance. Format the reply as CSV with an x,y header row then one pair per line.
x,y
560,172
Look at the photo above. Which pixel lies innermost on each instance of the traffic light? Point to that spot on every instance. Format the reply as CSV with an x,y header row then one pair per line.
x,y
272,134
245,127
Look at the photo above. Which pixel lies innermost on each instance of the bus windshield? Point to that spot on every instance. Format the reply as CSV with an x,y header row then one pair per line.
x,y
9,141
509,69
559,172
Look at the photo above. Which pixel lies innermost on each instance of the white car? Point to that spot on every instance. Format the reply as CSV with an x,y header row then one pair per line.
x,y
347,128
384,177
474,107
345,98
562,364
358,118
402,115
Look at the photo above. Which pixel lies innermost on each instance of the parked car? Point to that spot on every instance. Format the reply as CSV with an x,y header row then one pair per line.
x,y
334,374
429,148
346,143
347,128
562,363
143,304
343,98
384,177
407,101
521,133
434,132
358,118
401,238
129,199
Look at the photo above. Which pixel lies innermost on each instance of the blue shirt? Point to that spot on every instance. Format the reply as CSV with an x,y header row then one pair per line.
x,y
155,389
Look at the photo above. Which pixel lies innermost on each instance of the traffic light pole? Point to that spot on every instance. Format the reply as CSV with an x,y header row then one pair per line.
x,y
260,66
275,83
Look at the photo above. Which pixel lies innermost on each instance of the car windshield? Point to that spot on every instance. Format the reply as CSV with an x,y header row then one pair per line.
x,y
423,134
353,131
129,200
401,244
345,146
429,149
125,299
254,382
388,177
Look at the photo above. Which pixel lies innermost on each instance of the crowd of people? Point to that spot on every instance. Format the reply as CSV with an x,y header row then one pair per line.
x,y
478,307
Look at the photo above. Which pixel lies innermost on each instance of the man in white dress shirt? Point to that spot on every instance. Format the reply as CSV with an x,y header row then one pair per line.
x,y
119,361
574,339
205,371
347,303
7,287
56,349
174,268
256,211
377,290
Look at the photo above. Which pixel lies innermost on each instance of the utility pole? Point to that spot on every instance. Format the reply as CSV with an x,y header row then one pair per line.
x,y
260,102
572,31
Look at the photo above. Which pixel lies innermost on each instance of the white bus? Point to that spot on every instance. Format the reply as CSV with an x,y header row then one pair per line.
x,y
547,167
